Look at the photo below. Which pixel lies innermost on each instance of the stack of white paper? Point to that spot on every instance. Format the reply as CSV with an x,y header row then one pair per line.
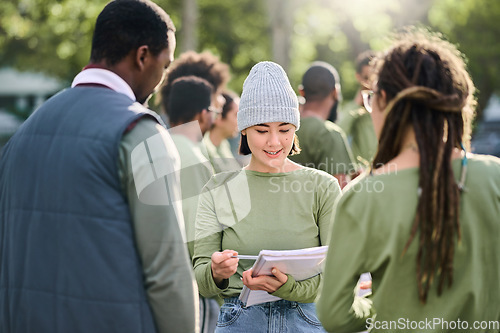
x,y
301,264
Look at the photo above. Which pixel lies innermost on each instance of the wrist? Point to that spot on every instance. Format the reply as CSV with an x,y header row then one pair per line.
x,y
217,279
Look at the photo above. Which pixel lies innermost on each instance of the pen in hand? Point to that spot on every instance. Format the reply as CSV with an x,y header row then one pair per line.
x,y
240,256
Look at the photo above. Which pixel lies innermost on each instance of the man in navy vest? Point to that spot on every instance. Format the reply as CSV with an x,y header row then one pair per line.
x,y
91,230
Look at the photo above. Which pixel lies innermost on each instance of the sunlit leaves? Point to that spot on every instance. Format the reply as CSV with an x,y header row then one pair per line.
x,y
54,36
473,25
47,36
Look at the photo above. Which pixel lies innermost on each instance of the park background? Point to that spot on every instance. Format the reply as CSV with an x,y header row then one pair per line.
x,y
53,38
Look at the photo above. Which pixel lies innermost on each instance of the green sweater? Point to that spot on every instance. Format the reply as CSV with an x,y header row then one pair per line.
x,y
168,277
358,127
248,211
221,157
324,147
371,226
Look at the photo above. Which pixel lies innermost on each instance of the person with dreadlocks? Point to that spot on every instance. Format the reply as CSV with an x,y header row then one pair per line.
x,y
424,221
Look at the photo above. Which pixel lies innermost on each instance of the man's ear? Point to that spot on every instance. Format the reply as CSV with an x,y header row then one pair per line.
x,y
141,56
335,95
200,116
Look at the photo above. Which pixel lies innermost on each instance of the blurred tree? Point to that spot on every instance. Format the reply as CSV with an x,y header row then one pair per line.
x,y
54,36
281,23
474,26
337,31
46,35
238,32
190,22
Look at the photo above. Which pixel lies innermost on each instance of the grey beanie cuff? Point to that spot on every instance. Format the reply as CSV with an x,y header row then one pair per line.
x,y
254,115
267,97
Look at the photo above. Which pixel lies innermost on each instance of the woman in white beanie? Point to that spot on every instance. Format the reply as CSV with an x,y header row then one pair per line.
x,y
273,203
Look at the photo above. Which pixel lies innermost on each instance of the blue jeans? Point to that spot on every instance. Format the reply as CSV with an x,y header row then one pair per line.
x,y
273,317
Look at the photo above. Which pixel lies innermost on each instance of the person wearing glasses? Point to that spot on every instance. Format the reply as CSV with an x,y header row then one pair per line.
x,y
191,113
225,126
273,203
428,229
355,120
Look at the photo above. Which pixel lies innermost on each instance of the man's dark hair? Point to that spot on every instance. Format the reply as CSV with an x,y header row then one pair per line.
x,y
190,95
319,81
363,59
125,25
204,65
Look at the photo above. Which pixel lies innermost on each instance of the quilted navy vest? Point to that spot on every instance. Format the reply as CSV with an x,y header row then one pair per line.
x,y
68,262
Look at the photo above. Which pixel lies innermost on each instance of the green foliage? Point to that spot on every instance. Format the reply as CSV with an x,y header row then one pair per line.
x,y
335,32
238,32
474,26
54,36
47,36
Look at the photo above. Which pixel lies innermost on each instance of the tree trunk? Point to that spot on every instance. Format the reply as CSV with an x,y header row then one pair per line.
x,y
189,25
281,19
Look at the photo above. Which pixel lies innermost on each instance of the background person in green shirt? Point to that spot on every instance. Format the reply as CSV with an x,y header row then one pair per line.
x,y
356,121
191,113
425,221
273,203
190,118
324,144
225,127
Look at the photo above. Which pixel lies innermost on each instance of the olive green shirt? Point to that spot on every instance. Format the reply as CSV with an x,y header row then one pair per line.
x,y
195,172
324,147
248,211
157,220
358,127
372,224
221,157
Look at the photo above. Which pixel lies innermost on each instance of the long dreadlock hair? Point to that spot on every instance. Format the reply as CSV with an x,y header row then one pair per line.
x,y
428,88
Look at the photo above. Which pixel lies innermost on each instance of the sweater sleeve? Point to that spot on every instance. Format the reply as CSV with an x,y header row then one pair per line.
x,y
344,264
168,276
208,239
328,195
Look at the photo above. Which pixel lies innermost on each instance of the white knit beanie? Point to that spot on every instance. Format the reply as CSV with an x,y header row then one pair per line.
x,y
267,97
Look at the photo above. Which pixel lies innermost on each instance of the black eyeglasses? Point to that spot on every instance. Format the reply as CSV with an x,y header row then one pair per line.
x,y
367,99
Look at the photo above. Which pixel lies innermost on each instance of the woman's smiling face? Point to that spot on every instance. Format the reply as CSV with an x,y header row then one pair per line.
x,y
270,144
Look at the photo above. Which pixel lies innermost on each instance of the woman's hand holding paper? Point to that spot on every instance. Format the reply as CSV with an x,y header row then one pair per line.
x,y
265,282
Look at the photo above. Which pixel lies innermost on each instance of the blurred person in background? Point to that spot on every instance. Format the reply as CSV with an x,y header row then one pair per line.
x,y
204,65
225,127
323,143
356,121
191,112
